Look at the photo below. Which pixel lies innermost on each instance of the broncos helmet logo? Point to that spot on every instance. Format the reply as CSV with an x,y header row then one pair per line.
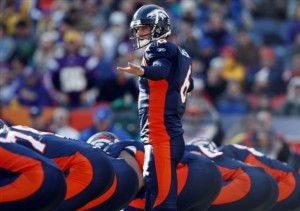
x,y
161,14
103,140
204,142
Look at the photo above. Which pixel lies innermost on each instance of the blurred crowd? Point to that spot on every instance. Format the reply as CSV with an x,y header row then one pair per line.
x,y
246,61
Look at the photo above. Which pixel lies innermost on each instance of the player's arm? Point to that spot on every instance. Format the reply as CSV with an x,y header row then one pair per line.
x,y
160,60
158,56
158,71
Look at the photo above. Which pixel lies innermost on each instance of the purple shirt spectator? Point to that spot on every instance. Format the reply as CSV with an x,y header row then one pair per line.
x,y
72,72
31,91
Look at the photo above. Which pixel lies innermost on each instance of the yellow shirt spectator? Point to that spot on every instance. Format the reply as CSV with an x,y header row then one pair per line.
x,y
232,69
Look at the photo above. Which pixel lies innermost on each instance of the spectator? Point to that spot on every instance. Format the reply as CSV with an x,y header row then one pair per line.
x,y
124,85
115,34
59,10
268,17
206,53
188,11
37,119
7,85
246,49
61,124
198,69
44,52
267,76
294,48
269,9
103,121
92,15
190,40
7,45
77,20
215,84
10,16
127,7
94,37
31,91
216,30
45,22
291,105
294,71
263,103
104,70
232,69
62,29
72,73
293,26
25,40
266,139
17,66
233,101
239,131
199,83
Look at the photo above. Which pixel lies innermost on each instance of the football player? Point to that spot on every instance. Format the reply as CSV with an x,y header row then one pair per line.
x,y
287,179
165,79
127,180
244,187
88,172
28,181
199,180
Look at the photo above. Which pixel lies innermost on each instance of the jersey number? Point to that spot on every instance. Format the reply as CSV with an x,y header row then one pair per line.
x,y
12,137
185,86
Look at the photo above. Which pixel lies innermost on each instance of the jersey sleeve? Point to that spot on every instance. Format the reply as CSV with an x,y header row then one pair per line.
x,y
158,61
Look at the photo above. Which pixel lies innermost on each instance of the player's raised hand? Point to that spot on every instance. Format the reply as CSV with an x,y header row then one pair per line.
x,y
132,69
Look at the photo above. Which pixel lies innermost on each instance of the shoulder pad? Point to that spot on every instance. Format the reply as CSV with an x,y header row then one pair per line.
x,y
157,49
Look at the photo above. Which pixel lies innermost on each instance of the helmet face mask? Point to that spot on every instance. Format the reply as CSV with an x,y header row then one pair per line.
x,y
140,41
156,18
204,142
3,127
